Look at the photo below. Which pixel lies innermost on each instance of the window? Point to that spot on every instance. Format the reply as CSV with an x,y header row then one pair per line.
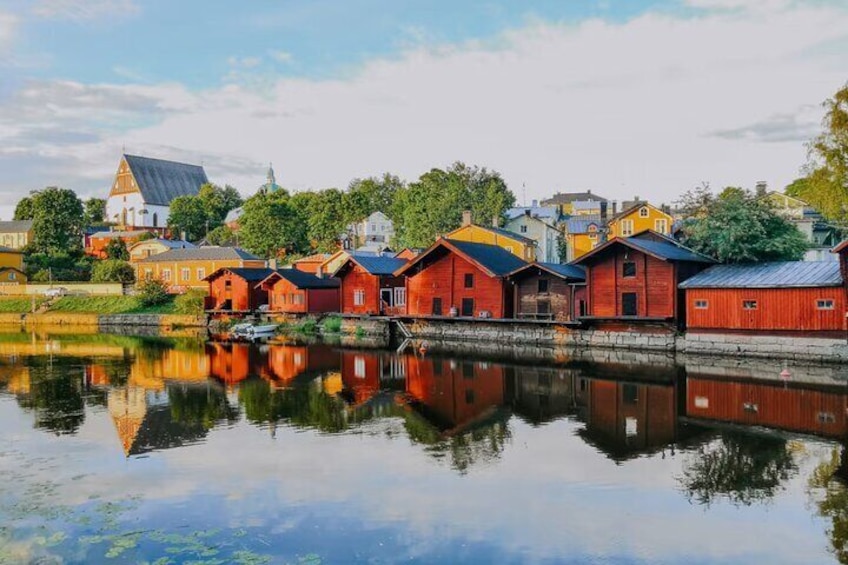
x,y
593,236
628,304
298,298
468,307
359,367
826,304
148,274
400,296
630,394
626,228
358,297
185,274
437,306
701,304
628,269
523,229
543,285
201,274
643,212
12,275
826,417
749,304
469,396
155,220
166,275
661,226
469,280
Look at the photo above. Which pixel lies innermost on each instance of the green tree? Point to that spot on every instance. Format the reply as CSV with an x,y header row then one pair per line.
x,y
271,226
94,212
57,216
152,292
369,195
325,216
113,270
217,202
828,490
117,249
23,211
222,235
738,227
187,215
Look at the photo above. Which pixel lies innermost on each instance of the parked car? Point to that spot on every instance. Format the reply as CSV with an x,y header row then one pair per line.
x,y
55,292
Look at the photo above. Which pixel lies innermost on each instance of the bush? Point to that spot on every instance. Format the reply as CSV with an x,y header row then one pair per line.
x,y
113,270
152,292
332,325
117,249
190,303
307,326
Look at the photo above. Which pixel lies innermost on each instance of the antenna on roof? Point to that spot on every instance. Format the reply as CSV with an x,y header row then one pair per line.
x,y
524,193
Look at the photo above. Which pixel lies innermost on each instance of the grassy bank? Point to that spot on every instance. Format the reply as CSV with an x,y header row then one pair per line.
x,y
109,305
18,304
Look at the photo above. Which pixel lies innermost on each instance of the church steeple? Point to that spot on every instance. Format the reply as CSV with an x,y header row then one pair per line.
x,y
269,178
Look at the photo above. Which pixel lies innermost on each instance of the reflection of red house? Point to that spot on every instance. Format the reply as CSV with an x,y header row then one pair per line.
x,y
360,375
285,363
462,277
369,286
295,292
636,278
455,395
231,362
775,405
235,289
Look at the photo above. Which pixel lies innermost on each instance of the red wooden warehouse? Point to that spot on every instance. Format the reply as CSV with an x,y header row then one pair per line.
x,y
792,296
369,285
234,289
461,278
292,291
636,278
549,291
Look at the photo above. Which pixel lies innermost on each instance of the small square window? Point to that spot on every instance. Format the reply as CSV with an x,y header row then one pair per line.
x,y
543,285
469,280
701,304
826,304
523,229
749,304
643,212
628,269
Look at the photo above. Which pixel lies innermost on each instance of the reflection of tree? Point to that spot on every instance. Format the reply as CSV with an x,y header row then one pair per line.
x,y
829,490
55,394
741,468
200,405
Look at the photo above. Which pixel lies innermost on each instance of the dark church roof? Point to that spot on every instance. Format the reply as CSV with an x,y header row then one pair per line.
x,y
161,181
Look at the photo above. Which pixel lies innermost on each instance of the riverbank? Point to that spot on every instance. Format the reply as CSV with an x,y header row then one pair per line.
x,y
80,319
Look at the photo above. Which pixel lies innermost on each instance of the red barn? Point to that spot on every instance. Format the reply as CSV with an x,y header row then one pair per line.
x,y
234,289
369,285
548,291
636,278
790,296
461,278
842,251
292,291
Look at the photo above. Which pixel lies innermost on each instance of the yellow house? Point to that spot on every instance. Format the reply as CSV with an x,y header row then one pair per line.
x,y
143,249
582,235
16,234
183,269
787,206
518,245
638,218
11,267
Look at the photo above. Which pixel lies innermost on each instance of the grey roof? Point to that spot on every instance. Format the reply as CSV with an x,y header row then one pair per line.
x,y
210,253
492,257
174,244
566,270
541,212
652,243
567,197
511,234
585,204
301,279
580,224
15,226
161,181
115,234
378,264
768,275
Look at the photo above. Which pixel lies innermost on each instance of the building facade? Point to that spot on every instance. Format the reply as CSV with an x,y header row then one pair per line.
x,y
291,291
16,234
522,247
540,225
637,218
184,269
548,291
369,285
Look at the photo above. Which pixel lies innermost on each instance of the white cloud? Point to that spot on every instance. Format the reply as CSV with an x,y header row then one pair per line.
x,y
280,56
8,23
244,62
80,10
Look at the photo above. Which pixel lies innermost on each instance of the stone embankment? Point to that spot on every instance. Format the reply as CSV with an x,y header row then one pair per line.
x,y
103,320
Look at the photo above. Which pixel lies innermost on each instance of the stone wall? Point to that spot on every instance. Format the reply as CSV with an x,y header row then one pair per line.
x,y
766,346
366,326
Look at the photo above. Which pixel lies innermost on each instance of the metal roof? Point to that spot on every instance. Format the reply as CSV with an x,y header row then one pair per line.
x,y
580,224
653,243
565,270
378,264
15,226
586,205
549,212
248,274
495,259
210,253
567,197
161,181
301,279
507,233
768,275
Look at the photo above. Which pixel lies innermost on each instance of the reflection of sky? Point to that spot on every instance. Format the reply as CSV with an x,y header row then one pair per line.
x,y
375,494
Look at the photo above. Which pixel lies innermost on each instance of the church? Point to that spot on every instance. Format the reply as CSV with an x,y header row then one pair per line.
x,y
144,188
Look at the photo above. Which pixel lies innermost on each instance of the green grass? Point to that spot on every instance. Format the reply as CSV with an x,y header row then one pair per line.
x,y
332,324
18,304
109,305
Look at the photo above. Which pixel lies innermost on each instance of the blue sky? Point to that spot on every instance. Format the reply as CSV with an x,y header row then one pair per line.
x,y
636,97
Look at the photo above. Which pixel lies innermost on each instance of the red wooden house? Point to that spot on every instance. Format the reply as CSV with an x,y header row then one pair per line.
x,y
461,278
636,278
235,289
292,291
790,296
842,251
369,285
549,291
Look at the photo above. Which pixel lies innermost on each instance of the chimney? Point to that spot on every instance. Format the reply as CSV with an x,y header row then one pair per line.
x,y
183,235
588,192
761,188
466,217
637,199
272,263
496,221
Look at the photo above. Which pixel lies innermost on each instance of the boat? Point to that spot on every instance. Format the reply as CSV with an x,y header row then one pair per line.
x,y
250,330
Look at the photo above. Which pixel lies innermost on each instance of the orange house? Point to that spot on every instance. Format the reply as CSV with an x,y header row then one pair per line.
x,y
369,285
236,290
97,242
295,292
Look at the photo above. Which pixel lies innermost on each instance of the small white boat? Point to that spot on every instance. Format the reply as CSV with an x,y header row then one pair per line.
x,y
253,330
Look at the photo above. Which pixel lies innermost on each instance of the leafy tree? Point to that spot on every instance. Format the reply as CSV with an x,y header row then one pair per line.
x,y
738,227
369,195
187,215
57,216
113,270
152,292
271,226
217,202
222,235
94,212
117,249
41,267
190,303
23,211
325,216
145,236
828,489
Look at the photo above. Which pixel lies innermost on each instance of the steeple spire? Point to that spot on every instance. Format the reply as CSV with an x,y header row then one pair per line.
x,y
271,181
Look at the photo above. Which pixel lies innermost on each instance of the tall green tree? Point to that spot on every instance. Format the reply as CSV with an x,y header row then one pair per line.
x,y
117,249
271,226
94,212
217,202
366,196
23,211
738,227
187,215
325,217
57,216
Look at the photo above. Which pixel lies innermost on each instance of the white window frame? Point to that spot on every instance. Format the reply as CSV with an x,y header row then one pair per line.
x,y
359,367
185,274
825,304
201,273
644,212
166,275
359,297
400,296
626,228
754,304
661,222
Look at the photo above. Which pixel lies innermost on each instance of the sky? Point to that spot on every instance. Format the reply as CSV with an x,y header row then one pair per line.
x,y
624,98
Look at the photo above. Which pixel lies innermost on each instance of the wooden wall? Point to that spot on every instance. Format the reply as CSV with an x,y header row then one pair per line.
x,y
353,277
778,309
528,296
281,298
655,285
242,293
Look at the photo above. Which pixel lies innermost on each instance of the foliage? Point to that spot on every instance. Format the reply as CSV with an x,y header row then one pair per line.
x,y
113,270
117,249
23,210
19,305
217,202
369,195
272,226
57,216
828,488
152,292
325,217
110,305
332,324
41,267
94,212
190,303
187,216
307,326
222,235
145,236
738,227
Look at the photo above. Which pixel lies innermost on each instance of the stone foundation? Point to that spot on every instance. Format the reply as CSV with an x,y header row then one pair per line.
x,y
766,346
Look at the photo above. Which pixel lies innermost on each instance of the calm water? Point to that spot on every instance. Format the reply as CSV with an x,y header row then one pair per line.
x,y
129,450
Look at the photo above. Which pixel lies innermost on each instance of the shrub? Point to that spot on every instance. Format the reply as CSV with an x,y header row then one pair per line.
x,y
112,270
307,326
117,249
152,292
333,325
190,303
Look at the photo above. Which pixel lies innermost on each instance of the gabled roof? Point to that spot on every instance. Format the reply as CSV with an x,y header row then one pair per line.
x,y
15,226
586,205
250,275
580,224
841,247
161,181
568,197
564,271
118,234
210,253
170,243
633,205
301,279
654,244
782,274
494,260
4,269
376,264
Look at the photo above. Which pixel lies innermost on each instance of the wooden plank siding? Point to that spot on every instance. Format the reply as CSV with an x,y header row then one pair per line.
x,y
558,297
287,298
778,309
655,285
229,291
355,278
